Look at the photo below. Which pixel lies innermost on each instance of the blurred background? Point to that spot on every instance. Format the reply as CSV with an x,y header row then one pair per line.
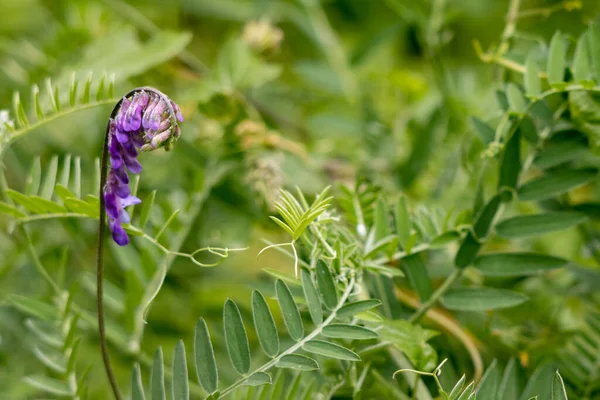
x,y
275,93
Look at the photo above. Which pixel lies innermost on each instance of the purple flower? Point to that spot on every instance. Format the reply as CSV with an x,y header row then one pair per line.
x,y
146,120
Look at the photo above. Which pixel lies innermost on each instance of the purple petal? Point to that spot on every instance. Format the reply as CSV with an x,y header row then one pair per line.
x,y
115,153
133,165
138,140
121,116
123,191
177,111
124,217
133,118
129,149
146,118
159,139
121,175
122,137
110,204
129,201
118,233
155,117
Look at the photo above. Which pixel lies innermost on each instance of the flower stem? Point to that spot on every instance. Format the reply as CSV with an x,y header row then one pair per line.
x,y
100,269
457,273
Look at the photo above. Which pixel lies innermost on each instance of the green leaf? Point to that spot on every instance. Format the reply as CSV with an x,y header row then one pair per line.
x,y
9,209
485,219
481,299
357,307
80,206
558,388
592,210
204,358
264,325
47,333
502,100
538,224
528,129
47,205
331,350
258,379
34,177
157,378
443,239
287,278
516,100
412,340
509,386
538,384
584,108
581,60
467,251
48,185
235,338
35,94
485,132
458,388
85,97
312,297
63,192
51,359
132,57
533,84
555,183
34,307
516,264
71,362
467,394
289,310
488,386
417,275
19,111
100,89
181,390
137,387
345,331
510,165
297,362
326,285
403,223
594,49
73,90
147,205
49,385
382,227
561,151
557,59
26,201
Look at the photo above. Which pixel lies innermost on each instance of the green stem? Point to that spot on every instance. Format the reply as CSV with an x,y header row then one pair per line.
x,y
38,263
510,27
295,347
456,274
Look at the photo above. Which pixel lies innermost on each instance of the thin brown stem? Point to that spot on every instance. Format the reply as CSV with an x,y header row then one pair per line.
x,y
100,270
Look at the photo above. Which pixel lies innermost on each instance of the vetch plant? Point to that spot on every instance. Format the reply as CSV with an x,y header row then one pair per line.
x,y
145,119
415,236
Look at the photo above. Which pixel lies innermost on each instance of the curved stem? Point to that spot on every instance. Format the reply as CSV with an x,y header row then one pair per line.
x,y
457,273
100,270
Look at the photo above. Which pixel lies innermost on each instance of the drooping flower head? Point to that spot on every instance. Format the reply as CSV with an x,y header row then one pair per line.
x,y
144,120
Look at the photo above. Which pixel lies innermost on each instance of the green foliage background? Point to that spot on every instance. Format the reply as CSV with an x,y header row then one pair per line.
x,y
306,93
